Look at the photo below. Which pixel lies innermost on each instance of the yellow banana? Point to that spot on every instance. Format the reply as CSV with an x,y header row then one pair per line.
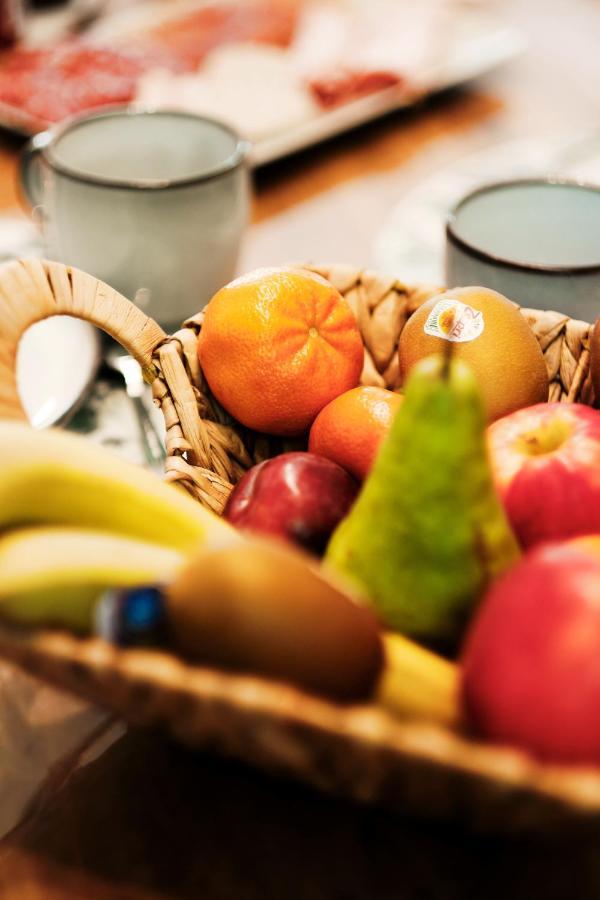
x,y
53,576
418,683
55,477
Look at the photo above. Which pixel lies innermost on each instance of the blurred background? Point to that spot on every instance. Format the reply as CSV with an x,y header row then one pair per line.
x,y
368,119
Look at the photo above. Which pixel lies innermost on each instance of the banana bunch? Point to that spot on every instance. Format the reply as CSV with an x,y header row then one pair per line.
x,y
54,575
76,520
57,478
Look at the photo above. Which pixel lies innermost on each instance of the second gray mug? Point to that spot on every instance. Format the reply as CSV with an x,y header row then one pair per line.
x,y
535,240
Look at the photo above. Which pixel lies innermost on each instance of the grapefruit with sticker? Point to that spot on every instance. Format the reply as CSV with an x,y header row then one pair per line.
x,y
495,340
276,346
351,428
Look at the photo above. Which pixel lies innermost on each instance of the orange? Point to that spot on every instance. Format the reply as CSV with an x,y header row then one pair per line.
x,y
276,346
351,428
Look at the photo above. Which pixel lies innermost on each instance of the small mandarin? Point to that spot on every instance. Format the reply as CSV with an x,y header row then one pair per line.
x,y
276,346
350,429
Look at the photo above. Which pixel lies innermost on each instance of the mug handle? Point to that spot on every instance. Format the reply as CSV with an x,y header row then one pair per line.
x,y
30,180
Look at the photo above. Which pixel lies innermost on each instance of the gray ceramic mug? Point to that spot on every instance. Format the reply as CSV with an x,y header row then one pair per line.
x,y
152,202
537,241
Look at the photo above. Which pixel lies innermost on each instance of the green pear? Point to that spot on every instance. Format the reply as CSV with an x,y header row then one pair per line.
x,y
428,532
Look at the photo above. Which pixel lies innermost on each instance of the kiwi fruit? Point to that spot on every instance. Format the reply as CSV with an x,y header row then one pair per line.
x,y
265,608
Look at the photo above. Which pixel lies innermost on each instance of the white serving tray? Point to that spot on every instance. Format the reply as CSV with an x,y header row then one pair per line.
x,y
476,44
479,45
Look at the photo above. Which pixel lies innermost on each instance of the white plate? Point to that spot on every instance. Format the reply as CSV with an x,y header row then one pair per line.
x,y
475,44
467,43
57,360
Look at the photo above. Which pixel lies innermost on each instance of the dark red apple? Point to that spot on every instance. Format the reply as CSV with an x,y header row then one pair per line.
x,y
531,661
546,464
298,496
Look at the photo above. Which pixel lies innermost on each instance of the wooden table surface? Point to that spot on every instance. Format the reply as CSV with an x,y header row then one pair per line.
x,y
147,820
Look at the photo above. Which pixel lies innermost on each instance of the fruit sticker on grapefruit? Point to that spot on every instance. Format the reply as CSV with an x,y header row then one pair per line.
x,y
454,321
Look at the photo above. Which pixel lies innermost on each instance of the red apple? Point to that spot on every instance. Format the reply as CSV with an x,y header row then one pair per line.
x,y
531,661
546,463
298,496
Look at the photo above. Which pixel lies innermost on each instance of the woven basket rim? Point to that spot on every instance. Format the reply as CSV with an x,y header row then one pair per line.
x,y
280,727
208,451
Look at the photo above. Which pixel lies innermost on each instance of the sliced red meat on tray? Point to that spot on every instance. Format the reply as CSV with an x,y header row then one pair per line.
x,y
345,85
73,76
53,83
194,35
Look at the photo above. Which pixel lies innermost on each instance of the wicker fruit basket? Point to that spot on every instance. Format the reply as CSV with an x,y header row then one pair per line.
x,y
359,751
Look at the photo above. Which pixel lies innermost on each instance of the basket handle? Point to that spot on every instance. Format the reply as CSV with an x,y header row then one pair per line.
x,y
33,289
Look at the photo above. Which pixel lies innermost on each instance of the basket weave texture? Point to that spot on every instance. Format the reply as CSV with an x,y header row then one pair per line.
x,y
407,767
358,751
207,450
218,450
